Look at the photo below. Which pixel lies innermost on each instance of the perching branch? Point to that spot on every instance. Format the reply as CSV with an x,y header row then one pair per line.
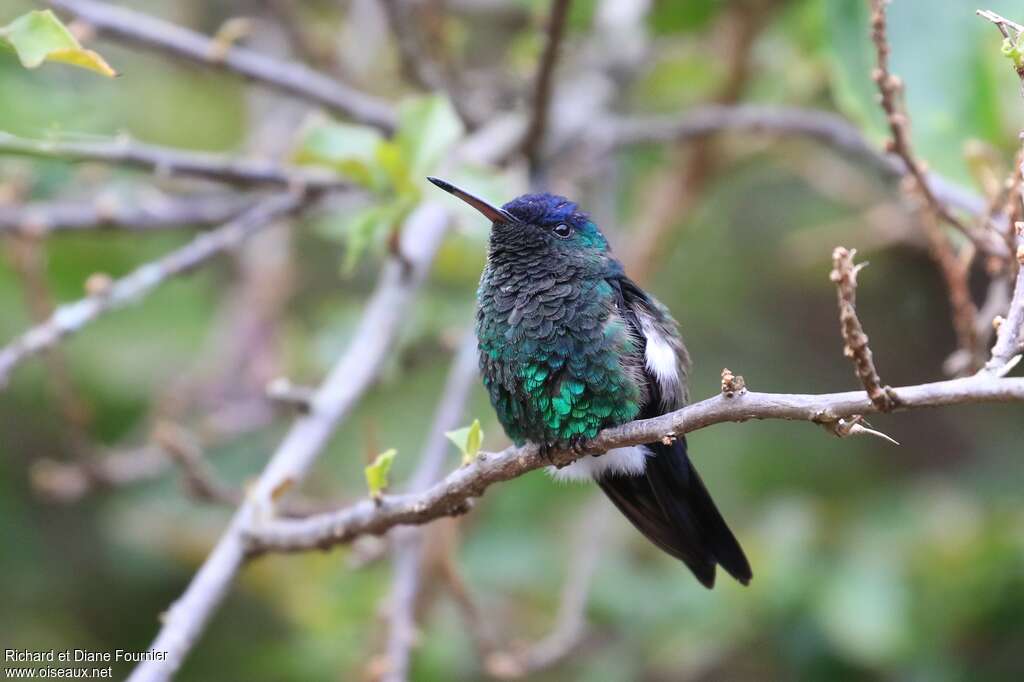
x,y
291,78
150,210
450,496
72,317
844,275
173,162
351,376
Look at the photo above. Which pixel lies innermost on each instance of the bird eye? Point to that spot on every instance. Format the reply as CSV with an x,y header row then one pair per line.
x,y
562,231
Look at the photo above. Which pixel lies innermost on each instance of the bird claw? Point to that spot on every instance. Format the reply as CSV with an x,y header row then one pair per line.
x,y
546,450
578,444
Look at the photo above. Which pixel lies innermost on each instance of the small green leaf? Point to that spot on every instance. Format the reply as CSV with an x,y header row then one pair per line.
x,y
427,128
377,473
349,149
468,440
365,229
39,36
1014,51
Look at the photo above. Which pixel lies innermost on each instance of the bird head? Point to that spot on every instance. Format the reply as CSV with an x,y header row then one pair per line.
x,y
543,228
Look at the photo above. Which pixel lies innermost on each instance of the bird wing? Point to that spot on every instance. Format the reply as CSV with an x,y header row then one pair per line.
x,y
663,355
669,502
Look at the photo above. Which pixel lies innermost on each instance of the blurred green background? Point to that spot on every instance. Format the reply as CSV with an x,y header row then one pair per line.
x,y
870,561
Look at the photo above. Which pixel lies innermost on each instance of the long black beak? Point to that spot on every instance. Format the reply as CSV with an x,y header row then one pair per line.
x,y
492,213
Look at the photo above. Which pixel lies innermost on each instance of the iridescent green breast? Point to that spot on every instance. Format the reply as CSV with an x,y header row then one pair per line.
x,y
556,358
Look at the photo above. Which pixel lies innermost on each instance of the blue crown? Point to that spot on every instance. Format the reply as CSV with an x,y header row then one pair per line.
x,y
546,209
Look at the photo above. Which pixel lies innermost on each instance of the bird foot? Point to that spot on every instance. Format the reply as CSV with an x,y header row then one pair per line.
x,y
578,444
546,451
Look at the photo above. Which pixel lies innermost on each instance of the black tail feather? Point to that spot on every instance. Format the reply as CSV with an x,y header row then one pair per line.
x,y
671,506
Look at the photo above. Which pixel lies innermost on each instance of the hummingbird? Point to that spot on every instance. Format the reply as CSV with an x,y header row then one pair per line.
x,y
569,345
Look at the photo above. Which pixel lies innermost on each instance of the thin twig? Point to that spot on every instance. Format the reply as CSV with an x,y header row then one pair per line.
x,y
28,259
1011,31
185,451
889,89
409,542
570,627
72,317
844,275
533,140
169,161
1002,23
302,41
479,629
675,193
292,78
955,268
1010,334
148,211
183,448
66,483
418,64
821,126
450,496
349,379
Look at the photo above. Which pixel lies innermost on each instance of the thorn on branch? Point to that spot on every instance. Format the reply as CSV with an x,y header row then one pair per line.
x,y
854,426
844,275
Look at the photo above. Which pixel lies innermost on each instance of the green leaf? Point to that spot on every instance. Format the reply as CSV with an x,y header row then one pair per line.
x,y
1013,51
468,440
427,128
365,228
350,150
377,473
39,36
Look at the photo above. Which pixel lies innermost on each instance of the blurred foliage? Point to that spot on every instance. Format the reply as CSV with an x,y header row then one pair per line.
x,y
393,170
39,36
870,562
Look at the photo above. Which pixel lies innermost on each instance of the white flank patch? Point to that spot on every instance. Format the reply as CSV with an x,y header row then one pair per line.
x,y
618,461
661,359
